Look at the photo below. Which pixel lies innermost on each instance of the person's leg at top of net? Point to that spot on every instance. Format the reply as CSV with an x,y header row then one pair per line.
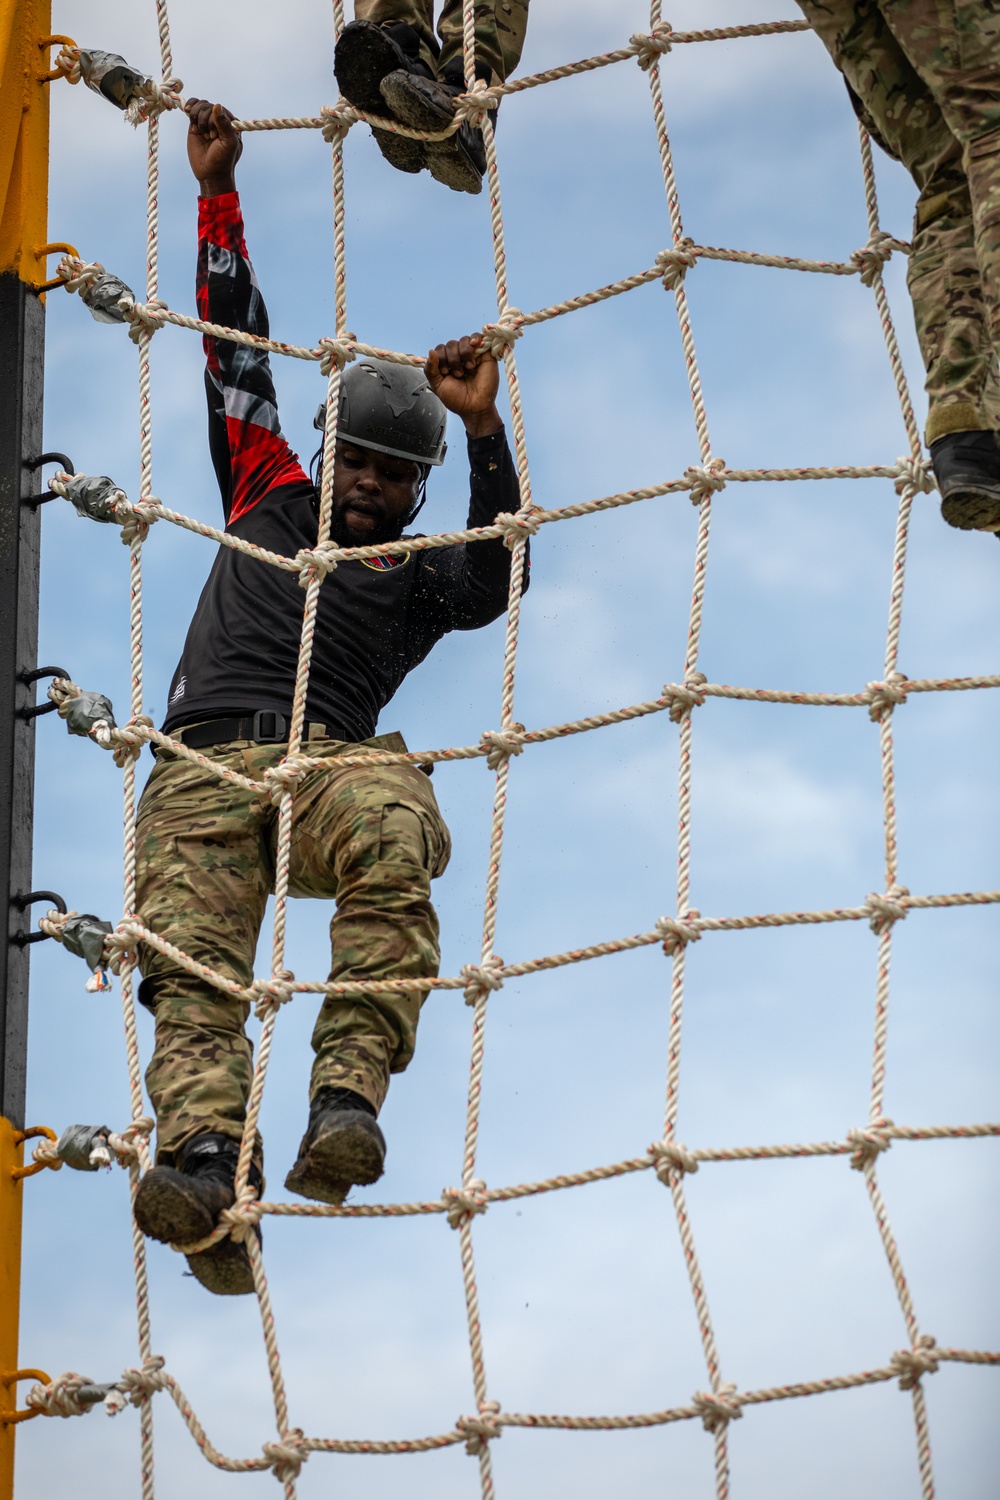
x,y
948,289
390,62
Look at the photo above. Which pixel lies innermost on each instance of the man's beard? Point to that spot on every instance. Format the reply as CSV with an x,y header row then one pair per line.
x,y
345,535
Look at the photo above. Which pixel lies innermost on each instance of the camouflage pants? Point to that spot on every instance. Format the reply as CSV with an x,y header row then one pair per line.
x,y
500,29
370,838
925,77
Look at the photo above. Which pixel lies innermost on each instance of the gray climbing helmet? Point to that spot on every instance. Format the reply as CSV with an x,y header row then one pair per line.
x,y
392,409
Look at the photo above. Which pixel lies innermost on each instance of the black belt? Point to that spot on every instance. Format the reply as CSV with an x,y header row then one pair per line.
x,y
265,727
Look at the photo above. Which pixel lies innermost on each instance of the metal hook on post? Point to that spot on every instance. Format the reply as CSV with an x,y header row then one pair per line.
x,y
57,71
23,938
36,710
43,251
48,458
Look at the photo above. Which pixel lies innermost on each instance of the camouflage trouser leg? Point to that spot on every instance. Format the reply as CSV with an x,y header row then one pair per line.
x,y
500,29
374,838
922,80
204,872
369,837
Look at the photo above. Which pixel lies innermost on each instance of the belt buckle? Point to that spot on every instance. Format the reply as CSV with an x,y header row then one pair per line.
x,y
276,732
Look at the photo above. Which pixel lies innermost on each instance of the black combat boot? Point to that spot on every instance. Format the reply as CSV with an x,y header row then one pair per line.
x,y
967,469
181,1205
429,104
363,56
342,1146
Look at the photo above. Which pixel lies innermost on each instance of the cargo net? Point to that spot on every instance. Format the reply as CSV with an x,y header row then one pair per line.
x,y
668,1160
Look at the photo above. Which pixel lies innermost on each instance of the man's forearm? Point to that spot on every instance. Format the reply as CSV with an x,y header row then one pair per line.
x,y
214,187
483,424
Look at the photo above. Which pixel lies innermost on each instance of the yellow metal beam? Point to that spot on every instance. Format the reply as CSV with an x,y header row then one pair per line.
x,y
24,193
24,137
11,1196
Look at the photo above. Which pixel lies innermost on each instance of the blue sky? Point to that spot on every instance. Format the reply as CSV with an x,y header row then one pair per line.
x,y
586,1306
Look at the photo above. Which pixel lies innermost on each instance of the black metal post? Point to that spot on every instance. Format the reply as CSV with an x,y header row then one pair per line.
x,y
22,347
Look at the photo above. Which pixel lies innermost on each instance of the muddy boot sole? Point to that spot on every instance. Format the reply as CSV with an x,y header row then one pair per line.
x,y
347,1150
972,508
363,57
449,162
400,151
418,103
168,1208
224,1269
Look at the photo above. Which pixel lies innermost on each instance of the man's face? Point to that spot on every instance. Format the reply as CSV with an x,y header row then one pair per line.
x,y
372,495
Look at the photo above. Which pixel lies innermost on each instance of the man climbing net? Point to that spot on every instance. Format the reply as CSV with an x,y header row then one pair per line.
x,y
720,1403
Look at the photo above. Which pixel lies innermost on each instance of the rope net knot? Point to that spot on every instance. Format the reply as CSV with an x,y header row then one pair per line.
x,y
125,742
872,257
677,932
474,107
886,909
502,335
673,265
138,1385
54,922
338,119
705,480
869,1141
684,696
500,745
144,318
883,697
133,1142
154,99
238,1222
336,354
481,978
316,562
478,1431
914,474
911,1364
286,1457
717,1408
46,1153
650,46
272,992
61,1397
517,527
78,275
120,946
286,777
136,516
67,62
671,1161
465,1203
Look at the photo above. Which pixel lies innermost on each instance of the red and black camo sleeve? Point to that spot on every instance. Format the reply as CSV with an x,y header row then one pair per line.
x,y
248,449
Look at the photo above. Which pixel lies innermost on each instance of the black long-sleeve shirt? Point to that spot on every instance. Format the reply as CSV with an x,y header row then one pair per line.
x,y
377,618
